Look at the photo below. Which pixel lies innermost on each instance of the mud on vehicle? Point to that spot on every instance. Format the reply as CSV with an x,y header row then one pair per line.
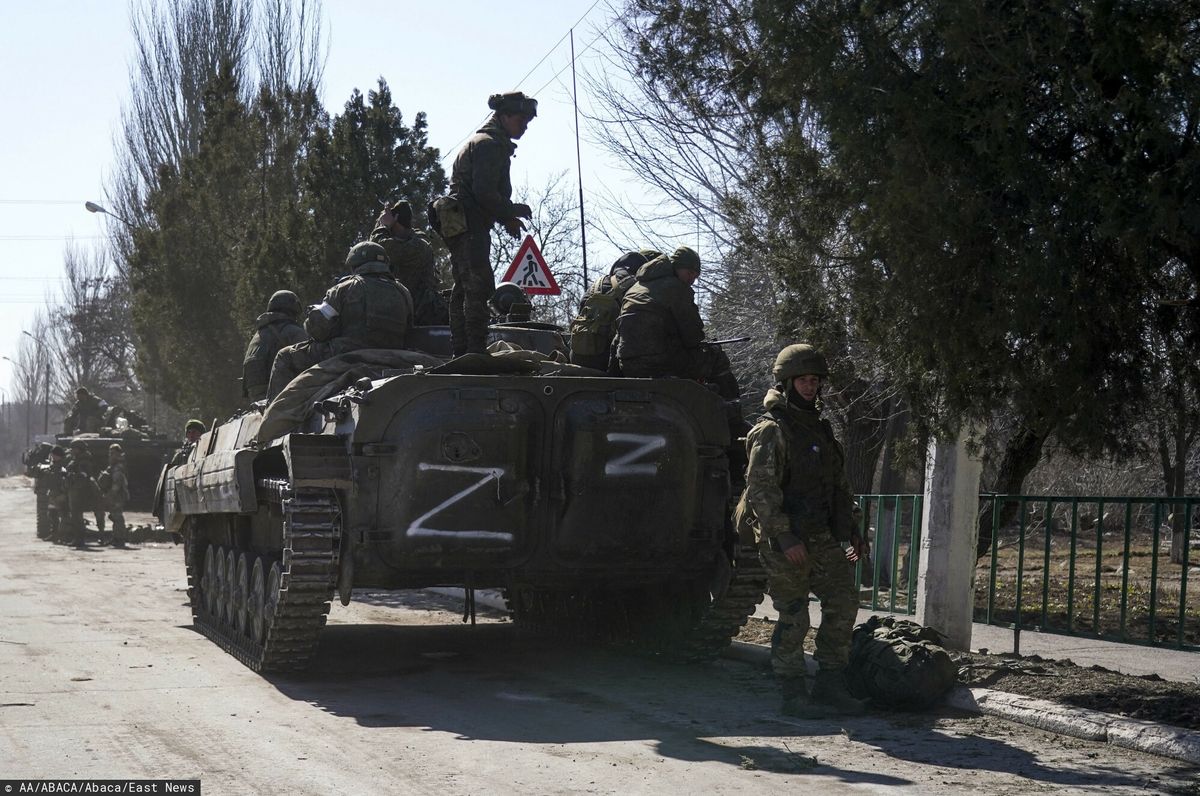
x,y
599,505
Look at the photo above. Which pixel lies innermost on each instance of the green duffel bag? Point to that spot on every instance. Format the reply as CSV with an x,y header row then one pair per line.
x,y
899,663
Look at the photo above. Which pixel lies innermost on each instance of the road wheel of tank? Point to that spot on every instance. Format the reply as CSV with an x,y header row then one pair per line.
x,y
43,516
221,599
256,598
208,580
241,587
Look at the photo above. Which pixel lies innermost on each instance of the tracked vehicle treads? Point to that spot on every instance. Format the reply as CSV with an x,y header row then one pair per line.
x,y
600,505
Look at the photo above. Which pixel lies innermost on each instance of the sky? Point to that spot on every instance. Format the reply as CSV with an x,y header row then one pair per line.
x,y
64,78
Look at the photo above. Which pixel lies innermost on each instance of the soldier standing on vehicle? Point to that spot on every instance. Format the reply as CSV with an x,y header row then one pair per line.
x,y
276,328
593,328
659,331
368,309
799,504
412,262
115,492
480,197
86,413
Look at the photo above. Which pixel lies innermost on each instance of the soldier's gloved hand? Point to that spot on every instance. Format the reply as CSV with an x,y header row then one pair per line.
x,y
522,210
859,548
793,548
514,227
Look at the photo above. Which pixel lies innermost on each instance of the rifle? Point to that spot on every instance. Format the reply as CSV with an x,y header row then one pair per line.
x,y
727,340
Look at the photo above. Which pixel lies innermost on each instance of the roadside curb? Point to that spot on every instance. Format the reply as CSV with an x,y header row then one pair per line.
x,y
1090,725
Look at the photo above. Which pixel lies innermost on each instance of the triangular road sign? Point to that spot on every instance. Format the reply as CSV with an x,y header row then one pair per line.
x,y
529,271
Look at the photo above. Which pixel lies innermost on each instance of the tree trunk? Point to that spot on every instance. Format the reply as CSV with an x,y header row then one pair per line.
x,y
1021,455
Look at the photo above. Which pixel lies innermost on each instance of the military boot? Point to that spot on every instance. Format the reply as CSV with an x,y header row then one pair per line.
x,y
796,701
829,691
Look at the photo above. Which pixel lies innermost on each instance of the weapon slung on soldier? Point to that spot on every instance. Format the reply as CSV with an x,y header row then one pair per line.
x,y
727,340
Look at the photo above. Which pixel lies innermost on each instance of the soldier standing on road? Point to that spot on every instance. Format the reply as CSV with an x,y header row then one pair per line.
x,y
659,331
368,309
116,492
277,327
52,482
82,493
412,262
480,197
798,501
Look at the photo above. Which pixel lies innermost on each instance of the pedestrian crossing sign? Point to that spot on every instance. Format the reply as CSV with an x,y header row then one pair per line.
x,y
530,272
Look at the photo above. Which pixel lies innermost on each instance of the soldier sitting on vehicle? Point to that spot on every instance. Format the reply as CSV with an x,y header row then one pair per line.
x,y
659,331
192,431
276,328
593,328
86,415
411,259
368,309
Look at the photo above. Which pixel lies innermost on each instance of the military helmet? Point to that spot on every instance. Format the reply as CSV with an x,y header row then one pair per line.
x,y
513,102
685,257
77,444
57,451
81,391
366,252
194,425
507,296
800,359
629,262
116,448
401,210
284,301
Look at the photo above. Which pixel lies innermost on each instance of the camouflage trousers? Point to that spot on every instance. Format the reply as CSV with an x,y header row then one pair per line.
x,y
826,574
474,283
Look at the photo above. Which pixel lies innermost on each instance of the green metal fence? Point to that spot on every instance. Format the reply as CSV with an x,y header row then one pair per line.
x,y
1093,566
888,581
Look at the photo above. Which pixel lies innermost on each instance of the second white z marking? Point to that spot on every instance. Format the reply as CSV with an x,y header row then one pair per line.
x,y
628,464
487,473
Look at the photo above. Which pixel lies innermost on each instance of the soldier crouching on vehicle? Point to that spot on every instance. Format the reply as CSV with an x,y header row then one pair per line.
x,y
799,504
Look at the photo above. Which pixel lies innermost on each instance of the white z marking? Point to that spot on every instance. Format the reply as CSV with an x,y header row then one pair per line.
x,y
487,473
627,464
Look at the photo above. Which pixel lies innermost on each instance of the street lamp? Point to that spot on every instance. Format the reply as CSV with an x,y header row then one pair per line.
x,y
92,207
46,396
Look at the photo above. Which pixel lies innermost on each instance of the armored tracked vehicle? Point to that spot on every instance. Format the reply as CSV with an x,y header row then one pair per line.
x,y
599,505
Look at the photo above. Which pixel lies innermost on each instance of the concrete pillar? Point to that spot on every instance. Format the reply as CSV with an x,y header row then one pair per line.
x,y
946,566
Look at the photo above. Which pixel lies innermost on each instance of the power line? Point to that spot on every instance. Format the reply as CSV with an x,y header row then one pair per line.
x,y
41,201
26,238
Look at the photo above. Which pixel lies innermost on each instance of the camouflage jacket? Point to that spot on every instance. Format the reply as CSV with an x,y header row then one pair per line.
x,y
659,331
368,309
480,176
275,331
411,259
796,477
117,494
85,416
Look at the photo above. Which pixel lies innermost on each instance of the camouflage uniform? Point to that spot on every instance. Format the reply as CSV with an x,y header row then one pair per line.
x,y
368,309
86,413
116,492
52,483
412,262
481,183
275,329
659,331
796,489
82,494
593,328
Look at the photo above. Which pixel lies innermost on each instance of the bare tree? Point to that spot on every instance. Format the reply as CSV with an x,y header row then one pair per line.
x,y
288,44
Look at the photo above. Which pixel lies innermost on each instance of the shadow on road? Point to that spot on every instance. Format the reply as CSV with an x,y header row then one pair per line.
x,y
491,682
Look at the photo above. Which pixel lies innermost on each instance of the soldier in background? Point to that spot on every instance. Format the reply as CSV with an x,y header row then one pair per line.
x,y
192,431
593,328
659,331
115,492
412,262
368,309
82,494
86,413
52,482
480,197
799,505
510,304
276,328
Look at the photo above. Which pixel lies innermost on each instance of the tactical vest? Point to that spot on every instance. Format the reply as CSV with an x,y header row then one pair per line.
x,y
376,312
814,463
593,328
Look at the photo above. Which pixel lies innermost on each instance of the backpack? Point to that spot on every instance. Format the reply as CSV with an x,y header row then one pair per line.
x,y
899,663
593,328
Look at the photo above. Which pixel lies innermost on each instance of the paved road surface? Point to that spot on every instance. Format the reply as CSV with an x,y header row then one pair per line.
x,y
101,675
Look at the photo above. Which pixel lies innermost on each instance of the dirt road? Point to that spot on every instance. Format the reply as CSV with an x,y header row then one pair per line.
x,y
101,675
